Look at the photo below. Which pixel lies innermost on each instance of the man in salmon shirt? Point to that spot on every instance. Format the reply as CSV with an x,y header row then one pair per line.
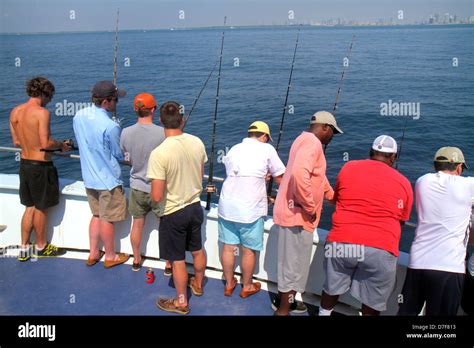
x,y
372,201
298,206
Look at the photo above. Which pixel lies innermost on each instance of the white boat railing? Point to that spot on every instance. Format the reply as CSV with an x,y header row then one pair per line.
x,y
71,155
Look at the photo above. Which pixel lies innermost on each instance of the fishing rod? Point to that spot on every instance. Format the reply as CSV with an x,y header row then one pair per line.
x,y
73,156
199,94
69,142
114,117
211,188
285,106
401,144
341,82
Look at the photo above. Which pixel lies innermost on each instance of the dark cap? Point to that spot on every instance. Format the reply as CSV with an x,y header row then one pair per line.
x,y
105,89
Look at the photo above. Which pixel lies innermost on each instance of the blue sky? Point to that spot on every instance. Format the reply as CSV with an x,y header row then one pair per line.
x,y
91,15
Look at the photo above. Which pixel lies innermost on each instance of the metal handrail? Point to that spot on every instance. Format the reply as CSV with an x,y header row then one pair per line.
x,y
69,155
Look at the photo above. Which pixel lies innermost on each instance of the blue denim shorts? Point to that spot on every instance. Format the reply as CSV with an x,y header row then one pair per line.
x,y
249,235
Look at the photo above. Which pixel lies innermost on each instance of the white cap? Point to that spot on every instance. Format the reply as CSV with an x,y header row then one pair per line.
x,y
324,117
385,143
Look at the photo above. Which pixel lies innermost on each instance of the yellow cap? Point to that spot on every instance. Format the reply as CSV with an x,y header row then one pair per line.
x,y
262,127
450,154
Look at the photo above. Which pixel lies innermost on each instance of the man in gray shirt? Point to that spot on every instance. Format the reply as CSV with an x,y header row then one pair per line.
x,y
137,142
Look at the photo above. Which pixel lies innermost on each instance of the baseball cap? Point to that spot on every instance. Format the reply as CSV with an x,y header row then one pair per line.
x,y
144,101
105,89
450,154
385,143
260,126
324,117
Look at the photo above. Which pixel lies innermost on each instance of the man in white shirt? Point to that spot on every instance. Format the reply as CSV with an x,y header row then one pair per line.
x,y
436,267
243,204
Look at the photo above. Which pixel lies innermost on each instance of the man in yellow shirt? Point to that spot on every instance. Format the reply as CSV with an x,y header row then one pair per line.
x,y
176,168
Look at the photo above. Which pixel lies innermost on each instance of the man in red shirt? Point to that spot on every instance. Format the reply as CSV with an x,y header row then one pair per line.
x,y
372,201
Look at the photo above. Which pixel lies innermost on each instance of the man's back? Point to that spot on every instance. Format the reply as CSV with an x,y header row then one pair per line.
x,y
179,161
304,184
137,142
443,204
244,197
371,199
27,120
98,138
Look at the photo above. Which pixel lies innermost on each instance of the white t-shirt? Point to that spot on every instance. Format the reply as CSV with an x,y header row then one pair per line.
x,y
244,195
443,204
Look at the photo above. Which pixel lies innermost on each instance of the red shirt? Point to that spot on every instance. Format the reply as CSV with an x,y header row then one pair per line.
x,y
371,199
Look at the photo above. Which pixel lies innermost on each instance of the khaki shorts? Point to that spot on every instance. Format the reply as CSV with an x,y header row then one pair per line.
x,y
295,245
108,205
140,203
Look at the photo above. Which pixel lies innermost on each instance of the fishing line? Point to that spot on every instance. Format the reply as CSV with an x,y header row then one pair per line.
x,y
199,95
285,106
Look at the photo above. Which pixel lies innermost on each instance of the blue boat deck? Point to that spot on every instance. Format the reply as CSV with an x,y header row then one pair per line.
x,y
63,286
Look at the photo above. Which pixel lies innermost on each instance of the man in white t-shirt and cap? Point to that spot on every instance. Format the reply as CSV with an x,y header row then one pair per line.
x,y
243,204
436,267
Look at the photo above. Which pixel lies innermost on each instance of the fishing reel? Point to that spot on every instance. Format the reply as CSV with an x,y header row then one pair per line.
x,y
71,144
68,142
211,188
271,199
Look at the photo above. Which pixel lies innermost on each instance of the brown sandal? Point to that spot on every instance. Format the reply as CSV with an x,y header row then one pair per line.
x,y
229,290
122,258
245,293
91,262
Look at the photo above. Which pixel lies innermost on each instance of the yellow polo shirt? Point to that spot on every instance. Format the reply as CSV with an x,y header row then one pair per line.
x,y
178,160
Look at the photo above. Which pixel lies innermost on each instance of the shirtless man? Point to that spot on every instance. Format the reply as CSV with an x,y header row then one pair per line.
x,y
39,186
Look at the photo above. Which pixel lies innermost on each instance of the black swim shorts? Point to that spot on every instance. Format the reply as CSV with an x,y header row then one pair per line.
x,y
39,184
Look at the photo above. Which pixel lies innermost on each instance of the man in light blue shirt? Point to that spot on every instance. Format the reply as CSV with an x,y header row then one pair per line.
x,y
98,138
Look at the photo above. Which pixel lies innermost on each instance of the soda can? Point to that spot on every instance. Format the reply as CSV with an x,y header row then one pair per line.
x,y
150,276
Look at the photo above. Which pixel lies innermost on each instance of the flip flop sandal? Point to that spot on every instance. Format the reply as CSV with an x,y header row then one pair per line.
x,y
229,290
245,293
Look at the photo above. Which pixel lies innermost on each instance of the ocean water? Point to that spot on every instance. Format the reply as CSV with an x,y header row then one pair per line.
x,y
409,64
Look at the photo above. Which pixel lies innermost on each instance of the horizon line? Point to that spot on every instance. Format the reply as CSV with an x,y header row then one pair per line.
x,y
232,27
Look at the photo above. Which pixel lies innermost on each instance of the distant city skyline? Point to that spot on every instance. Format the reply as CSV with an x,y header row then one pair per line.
x,y
30,16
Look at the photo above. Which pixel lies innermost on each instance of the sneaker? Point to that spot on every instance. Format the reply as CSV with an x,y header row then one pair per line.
x,y
136,266
24,255
168,271
297,307
49,250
